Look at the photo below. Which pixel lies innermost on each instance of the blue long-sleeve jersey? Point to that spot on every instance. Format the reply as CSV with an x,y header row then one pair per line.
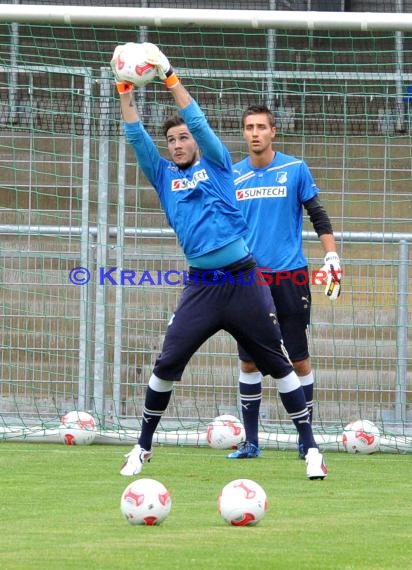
x,y
199,201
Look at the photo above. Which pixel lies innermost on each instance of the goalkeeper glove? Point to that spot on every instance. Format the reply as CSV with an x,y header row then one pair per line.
x,y
164,70
330,274
121,86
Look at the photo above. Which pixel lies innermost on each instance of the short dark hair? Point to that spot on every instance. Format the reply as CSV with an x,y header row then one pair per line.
x,y
259,110
173,121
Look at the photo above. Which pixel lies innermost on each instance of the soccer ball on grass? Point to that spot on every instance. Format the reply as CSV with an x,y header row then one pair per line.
x,y
361,436
145,502
77,428
242,502
225,432
129,64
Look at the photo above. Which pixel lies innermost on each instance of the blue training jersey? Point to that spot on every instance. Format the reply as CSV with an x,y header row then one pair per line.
x,y
271,199
199,202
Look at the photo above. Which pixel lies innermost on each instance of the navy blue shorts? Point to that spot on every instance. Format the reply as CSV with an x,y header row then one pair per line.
x,y
291,294
230,299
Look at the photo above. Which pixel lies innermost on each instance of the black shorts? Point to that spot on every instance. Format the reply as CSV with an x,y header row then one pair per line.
x,y
291,294
230,299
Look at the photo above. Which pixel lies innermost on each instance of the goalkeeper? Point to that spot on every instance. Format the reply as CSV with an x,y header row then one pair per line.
x,y
196,192
272,189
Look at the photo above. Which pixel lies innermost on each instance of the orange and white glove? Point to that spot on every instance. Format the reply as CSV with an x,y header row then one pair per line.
x,y
164,69
121,85
330,275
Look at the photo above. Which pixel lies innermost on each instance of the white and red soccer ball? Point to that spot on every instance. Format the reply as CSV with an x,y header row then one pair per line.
x,y
225,432
242,502
130,65
361,436
77,428
145,502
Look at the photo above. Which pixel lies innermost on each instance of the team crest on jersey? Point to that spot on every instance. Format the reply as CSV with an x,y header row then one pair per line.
x,y
281,177
184,184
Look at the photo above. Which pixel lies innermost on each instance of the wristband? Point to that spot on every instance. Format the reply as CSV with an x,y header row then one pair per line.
x,y
171,79
124,87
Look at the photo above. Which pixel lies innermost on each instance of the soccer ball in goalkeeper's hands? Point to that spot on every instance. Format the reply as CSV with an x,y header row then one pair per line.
x,y
242,502
361,436
225,432
77,428
129,65
145,502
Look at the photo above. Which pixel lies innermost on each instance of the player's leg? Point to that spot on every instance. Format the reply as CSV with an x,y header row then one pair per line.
x,y
294,335
158,393
250,393
288,295
194,321
293,298
304,371
253,322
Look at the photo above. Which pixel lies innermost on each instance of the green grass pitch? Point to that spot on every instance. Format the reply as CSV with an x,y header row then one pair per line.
x,y
60,510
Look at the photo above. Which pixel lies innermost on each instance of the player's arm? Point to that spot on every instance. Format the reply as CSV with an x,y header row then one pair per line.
x,y
168,75
330,274
128,107
328,242
181,95
144,148
210,145
125,89
319,218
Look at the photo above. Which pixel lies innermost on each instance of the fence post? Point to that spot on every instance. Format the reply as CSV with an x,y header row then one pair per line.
x,y
100,349
402,333
118,309
85,244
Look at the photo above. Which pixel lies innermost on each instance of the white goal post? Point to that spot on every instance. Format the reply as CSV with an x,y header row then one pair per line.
x,y
168,17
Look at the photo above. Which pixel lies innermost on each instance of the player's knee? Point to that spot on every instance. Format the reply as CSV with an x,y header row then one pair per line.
x,y
168,369
302,367
248,366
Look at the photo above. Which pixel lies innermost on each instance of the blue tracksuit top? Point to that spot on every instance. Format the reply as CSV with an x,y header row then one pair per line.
x,y
199,202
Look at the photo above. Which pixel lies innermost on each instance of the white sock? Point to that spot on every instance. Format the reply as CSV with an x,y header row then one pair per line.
x,y
159,385
288,383
307,379
250,377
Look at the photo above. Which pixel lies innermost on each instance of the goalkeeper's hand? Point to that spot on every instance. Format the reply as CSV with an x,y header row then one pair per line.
x,y
121,86
164,70
330,275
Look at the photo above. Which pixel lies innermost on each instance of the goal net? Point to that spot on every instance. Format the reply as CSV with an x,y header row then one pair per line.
x,y
85,248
